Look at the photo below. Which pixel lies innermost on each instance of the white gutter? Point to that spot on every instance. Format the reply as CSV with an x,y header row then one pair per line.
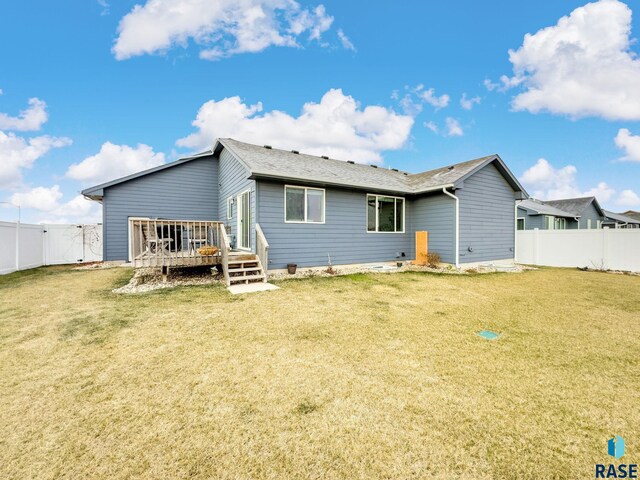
x,y
444,190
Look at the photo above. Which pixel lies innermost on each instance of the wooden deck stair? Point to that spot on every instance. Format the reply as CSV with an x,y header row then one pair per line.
x,y
244,269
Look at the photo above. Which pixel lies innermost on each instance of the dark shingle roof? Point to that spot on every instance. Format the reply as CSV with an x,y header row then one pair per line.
x,y
620,217
575,206
543,209
272,163
283,164
632,214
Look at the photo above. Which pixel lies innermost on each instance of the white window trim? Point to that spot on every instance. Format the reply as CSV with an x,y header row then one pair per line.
x,y
404,212
524,223
229,208
238,227
549,222
589,226
560,223
324,204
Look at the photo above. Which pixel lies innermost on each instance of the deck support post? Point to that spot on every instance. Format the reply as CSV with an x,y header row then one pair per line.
x,y
165,273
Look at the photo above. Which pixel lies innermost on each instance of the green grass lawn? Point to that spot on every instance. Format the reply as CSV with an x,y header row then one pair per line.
x,y
366,376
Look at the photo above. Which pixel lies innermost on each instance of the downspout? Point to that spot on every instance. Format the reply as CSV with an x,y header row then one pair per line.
x,y
448,194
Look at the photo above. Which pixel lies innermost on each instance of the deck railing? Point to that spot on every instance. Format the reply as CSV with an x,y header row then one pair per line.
x,y
166,243
262,250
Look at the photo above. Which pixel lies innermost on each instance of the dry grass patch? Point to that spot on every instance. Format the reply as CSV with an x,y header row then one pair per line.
x,y
363,376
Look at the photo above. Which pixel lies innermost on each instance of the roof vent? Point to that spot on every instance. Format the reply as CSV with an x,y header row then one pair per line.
x,y
451,168
295,151
395,169
268,147
373,166
351,162
406,173
325,157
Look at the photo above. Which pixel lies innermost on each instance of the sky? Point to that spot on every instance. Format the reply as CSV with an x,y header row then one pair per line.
x,y
92,90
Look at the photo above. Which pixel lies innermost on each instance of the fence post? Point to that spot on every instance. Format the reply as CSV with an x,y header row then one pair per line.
x,y
18,245
605,248
535,245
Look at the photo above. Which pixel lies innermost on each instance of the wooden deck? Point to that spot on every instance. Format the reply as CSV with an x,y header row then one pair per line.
x,y
174,243
177,259
162,243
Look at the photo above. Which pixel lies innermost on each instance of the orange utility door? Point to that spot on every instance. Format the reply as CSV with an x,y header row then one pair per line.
x,y
422,248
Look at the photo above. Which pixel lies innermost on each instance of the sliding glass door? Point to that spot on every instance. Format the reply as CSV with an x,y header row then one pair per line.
x,y
244,220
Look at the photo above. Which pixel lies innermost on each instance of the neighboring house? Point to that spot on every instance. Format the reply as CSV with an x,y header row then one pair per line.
x,y
632,213
587,210
534,214
619,220
311,209
567,214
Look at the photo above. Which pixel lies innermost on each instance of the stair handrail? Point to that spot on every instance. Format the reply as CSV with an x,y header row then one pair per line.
x,y
262,250
225,248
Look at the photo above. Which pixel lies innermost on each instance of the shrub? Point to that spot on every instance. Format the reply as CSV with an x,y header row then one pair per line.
x,y
433,259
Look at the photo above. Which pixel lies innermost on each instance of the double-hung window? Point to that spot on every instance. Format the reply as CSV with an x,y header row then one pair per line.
x,y
385,214
304,204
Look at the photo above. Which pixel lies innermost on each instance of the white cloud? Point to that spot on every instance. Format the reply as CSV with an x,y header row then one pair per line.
x,y
489,85
430,97
546,182
105,7
453,127
222,28
602,192
76,210
337,127
32,118
467,103
114,161
345,41
629,143
40,198
46,201
18,153
431,125
582,66
409,105
415,97
628,198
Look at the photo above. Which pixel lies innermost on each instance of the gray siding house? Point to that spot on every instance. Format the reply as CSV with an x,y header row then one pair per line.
x,y
620,220
312,208
567,214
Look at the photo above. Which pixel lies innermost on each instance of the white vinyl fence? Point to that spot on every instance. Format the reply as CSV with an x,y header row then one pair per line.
x,y
39,245
613,249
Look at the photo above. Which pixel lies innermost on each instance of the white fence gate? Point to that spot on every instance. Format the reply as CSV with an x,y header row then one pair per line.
x,y
614,249
24,246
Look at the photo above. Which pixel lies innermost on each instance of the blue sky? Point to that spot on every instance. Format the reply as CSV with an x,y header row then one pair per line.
x,y
119,87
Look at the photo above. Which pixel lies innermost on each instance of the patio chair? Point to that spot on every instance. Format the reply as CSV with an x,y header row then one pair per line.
x,y
197,236
154,244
